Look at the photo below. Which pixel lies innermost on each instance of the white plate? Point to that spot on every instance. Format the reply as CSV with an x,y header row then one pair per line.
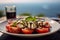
x,y
55,27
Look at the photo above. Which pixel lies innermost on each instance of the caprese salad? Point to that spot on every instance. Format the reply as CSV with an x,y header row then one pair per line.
x,y
29,25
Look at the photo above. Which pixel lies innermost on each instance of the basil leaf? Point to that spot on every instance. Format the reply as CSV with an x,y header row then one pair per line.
x,y
30,18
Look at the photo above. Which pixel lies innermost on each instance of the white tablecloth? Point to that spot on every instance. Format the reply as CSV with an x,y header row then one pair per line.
x,y
2,20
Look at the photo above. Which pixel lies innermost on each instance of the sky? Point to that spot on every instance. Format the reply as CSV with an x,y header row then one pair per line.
x,y
29,1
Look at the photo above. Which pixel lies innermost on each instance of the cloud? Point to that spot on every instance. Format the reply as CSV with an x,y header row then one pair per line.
x,y
28,1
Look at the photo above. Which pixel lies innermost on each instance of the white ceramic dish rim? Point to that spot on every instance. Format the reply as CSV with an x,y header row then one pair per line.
x,y
32,35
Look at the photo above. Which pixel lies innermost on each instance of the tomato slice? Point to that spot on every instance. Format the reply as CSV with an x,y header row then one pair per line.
x,y
46,23
7,27
47,26
42,30
27,31
12,29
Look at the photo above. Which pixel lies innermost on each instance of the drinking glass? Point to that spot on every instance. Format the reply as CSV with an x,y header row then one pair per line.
x,y
10,12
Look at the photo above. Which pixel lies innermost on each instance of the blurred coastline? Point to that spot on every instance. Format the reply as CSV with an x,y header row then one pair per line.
x,y
49,10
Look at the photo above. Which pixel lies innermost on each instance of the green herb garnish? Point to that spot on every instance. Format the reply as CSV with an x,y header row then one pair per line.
x,y
30,18
15,23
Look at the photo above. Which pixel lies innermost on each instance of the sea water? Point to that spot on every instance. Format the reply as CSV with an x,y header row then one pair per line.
x,y
48,9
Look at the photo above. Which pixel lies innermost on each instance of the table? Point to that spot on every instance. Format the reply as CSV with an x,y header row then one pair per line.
x,y
54,36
